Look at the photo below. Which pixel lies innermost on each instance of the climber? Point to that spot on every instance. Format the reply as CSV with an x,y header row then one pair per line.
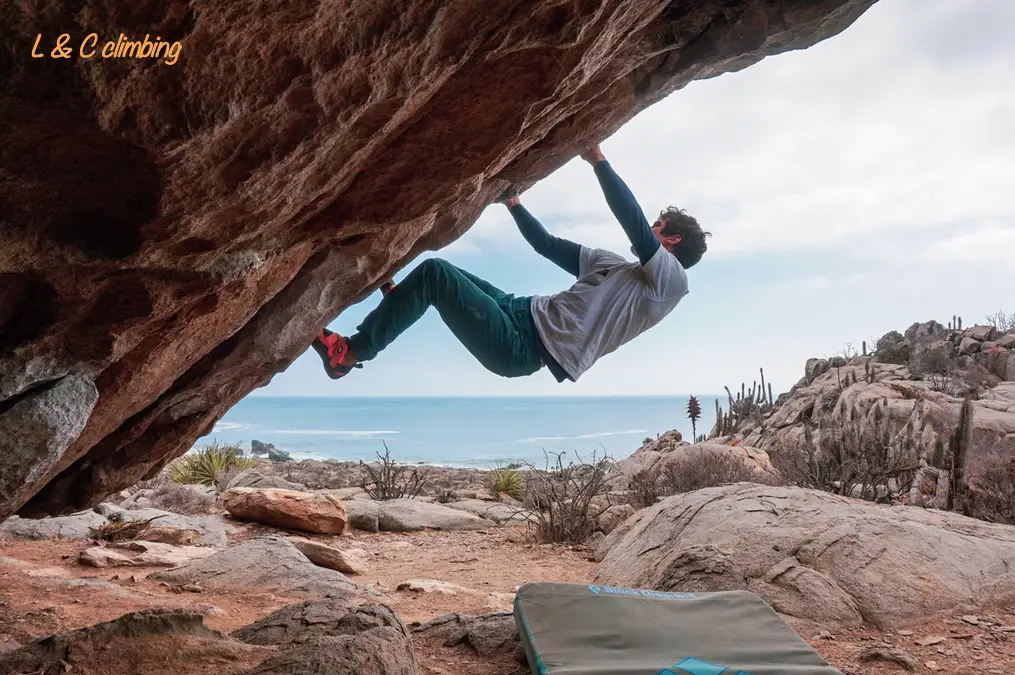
x,y
612,301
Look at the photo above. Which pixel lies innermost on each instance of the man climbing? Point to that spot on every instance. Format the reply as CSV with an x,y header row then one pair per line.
x,y
612,302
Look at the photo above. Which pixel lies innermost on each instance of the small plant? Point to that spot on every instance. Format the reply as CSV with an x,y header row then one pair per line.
x,y
566,498
693,414
183,499
446,496
643,489
391,481
203,466
118,529
508,481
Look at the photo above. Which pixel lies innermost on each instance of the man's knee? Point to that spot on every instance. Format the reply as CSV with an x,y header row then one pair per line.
x,y
433,268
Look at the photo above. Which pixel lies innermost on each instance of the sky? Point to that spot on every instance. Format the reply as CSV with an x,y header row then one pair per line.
x,y
852,188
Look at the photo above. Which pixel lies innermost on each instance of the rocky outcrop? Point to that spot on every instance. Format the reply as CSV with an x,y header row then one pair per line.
x,y
253,479
269,564
486,634
669,452
411,515
815,556
278,171
291,509
295,624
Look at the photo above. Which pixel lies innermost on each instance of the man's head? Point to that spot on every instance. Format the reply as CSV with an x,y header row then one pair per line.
x,y
681,235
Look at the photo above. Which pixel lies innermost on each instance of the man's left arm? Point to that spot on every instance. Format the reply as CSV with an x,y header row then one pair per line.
x,y
624,206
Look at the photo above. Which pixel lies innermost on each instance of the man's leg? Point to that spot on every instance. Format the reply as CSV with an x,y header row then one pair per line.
x,y
468,307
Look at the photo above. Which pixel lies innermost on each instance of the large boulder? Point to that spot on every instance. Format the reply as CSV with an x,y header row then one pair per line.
x,y
322,555
411,515
252,479
244,196
322,638
498,512
487,634
815,556
265,564
290,509
74,526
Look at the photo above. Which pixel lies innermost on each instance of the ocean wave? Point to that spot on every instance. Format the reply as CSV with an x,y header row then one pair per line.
x,y
231,426
333,432
536,439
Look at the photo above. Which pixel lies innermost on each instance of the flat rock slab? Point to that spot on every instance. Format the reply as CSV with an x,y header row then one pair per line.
x,y
291,509
98,556
207,530
351,561
253,479
432,586
502,514
266,564
410,515
74,526
815,556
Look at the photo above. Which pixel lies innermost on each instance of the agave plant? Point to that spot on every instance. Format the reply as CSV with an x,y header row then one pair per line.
x,y
204,465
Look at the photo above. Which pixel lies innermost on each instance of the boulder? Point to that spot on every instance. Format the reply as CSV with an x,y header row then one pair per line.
x,y
291,509
652,458
363,514
202,530
268,564
98,556
411,515
487,634
253,479
980,333
244,196
613,516
432,586
968,346
347,562
297,623
926,333
74,526
164,555
815,556
369,640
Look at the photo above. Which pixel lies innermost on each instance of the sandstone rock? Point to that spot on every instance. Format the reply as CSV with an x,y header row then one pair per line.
x,y
297,623
613,516
979,333
815,556
968,346
243,197
74,526
269,564
141,639
253,479
347,562
1007,341
926,333
487,634
208,530
814,368
290,509
410,515
500,513
97,556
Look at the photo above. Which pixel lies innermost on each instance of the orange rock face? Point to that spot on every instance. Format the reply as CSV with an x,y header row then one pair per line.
x,y
305,511
171,236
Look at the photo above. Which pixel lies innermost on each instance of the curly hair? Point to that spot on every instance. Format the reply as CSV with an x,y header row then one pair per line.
x,y
692,244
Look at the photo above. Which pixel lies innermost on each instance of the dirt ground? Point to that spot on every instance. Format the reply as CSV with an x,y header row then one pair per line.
x,y
43,590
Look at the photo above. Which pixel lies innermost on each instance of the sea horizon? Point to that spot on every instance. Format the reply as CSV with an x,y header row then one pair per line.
x,y
458,431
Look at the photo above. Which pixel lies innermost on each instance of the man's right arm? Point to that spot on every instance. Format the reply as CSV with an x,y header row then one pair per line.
x,y
566,254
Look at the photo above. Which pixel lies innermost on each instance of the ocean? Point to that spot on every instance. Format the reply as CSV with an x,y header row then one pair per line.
x,y
465,432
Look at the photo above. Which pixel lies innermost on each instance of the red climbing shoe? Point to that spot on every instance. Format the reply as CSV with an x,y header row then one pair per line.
x,y
334,352
387,287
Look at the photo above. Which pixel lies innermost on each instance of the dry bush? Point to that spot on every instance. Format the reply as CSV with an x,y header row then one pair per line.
x,y
566,498
857,456
184,500
990,493
445,496
643,489
707,469
391,481
120,529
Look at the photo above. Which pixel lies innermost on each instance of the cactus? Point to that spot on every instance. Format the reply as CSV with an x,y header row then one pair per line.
x,y
693,413
959,444
959,324
865,348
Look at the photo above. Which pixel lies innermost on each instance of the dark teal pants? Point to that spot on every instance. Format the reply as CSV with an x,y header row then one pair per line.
x,y
496,327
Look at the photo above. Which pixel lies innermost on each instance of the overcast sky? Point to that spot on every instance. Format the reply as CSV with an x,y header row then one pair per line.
x,y
852,189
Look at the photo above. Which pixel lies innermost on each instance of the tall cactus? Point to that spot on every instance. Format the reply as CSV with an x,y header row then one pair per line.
x,y
959,444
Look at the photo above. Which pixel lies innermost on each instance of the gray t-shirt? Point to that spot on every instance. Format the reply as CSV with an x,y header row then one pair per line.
x,y
612,302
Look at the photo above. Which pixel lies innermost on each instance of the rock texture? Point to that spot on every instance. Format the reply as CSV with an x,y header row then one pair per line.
x,y
269,564
815,556
347,561
295,624
235,202
305,511
487,634
659,454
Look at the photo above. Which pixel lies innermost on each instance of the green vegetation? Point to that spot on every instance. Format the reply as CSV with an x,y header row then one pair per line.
x,y
204,465
508,481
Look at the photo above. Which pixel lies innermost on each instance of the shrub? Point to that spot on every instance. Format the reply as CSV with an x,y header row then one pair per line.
x,y
184,499
565,499
643,489
202,467
508,481
118,529
856,455
446,496
391,481
990,494
707,469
